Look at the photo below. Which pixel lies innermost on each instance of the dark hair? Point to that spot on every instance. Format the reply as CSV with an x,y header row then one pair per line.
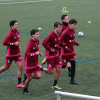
x,y
63,17
33,31
56,24
12,22
72,21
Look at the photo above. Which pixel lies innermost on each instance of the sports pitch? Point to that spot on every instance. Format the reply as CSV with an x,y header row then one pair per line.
x,y
43,13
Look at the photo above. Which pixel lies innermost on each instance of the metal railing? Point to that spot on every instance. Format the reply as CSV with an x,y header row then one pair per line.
x,y
87,97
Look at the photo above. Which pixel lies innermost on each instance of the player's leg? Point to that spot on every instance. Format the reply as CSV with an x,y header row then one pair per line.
x,y
20,70
29,77
3,68
63,66
25,77
27,81
25,91
56,77
46,70
33,76
37,73
65,61
73,66
19,63
50,67
57,73
8,62
69,68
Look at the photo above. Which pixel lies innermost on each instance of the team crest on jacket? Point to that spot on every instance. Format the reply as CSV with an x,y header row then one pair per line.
x,y
56,45
8,61
70,35
50,65
20,58
59,62
33,47
14,37
38,46
75,57
64,60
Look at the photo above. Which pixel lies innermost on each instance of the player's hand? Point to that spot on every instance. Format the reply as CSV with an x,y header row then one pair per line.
x,y
77,44
40,53
17,43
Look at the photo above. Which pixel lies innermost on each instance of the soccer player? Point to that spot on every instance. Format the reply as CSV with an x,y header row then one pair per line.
x,y
12,41
65,21
51,45
31,59
67,39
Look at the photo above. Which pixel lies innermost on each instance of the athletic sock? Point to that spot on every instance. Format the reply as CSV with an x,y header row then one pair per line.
x,y
25,89
25,76
69,69
55,82
72,78
63,66
41,69
73,66
19,80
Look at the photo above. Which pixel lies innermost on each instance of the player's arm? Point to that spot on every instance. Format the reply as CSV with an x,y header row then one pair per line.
x,y
62,38
40,53
28,49
46,45
7,42
76,43
62,43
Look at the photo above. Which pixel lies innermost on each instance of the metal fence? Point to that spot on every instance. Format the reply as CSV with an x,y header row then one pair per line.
x,y
87,97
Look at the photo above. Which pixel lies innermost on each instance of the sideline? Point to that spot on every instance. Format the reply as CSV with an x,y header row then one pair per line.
x,y
24,2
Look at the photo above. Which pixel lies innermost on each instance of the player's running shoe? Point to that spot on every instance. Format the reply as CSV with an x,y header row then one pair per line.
x,y
73,82
44,61
56,87
20,85
26,92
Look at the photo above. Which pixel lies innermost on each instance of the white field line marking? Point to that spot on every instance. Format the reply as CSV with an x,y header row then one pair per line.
x,y
25,2
5,0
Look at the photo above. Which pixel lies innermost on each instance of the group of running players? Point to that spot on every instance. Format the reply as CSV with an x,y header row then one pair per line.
x,y
59,52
